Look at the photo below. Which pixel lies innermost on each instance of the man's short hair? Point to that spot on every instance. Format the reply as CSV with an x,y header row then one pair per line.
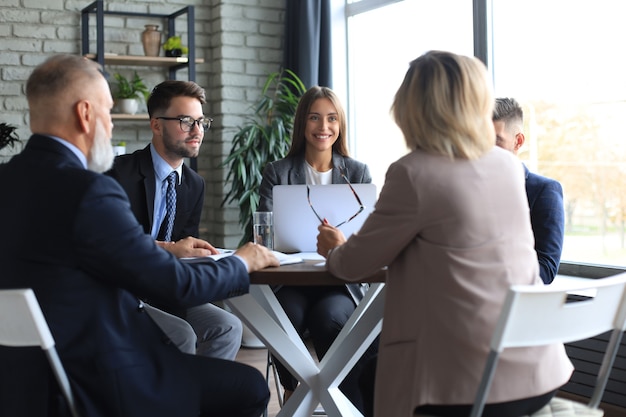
x,y
162,95
508,110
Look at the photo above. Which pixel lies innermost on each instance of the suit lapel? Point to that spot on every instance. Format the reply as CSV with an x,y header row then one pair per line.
x,y
296,173
182,196
338,166
146,170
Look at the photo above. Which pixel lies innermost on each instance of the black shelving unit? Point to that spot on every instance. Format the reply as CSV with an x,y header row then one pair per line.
x,y
173,64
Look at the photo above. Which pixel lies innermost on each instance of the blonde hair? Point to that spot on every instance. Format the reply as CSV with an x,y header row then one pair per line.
x,y
444,106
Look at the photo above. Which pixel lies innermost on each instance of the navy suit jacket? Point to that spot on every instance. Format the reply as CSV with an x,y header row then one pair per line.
x,y
547,217
70,235
135,173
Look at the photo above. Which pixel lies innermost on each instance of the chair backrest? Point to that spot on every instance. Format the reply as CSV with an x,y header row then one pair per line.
x,y
541,315
21,321
22,324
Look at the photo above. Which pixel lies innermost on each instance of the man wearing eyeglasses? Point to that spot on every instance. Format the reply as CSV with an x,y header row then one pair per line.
x,y
178,126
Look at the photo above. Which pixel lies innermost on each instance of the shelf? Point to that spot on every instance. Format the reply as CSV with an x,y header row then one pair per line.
x,y
125,116
155,61
169,65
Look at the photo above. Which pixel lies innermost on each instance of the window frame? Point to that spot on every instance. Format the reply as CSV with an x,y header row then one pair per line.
x,y
483,42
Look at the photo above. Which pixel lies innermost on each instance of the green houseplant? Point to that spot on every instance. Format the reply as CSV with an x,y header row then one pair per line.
x,y
265,137
8,135
129,91
173,46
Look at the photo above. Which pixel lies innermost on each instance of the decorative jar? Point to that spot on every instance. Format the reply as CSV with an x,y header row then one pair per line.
x,y
151,40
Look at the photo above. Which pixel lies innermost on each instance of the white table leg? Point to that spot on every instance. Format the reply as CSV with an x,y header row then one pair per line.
x,y
262,313
266,298
291,351
353,340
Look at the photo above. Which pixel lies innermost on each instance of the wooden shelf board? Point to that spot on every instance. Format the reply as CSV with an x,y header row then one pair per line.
x,y
124,116
111,59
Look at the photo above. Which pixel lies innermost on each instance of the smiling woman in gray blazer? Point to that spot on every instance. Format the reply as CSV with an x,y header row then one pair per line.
x,y
318,155
452,225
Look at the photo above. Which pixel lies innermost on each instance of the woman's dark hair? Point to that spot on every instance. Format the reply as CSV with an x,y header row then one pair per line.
x,y
298,140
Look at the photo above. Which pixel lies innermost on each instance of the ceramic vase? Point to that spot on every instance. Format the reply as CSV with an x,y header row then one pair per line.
x,y
151,40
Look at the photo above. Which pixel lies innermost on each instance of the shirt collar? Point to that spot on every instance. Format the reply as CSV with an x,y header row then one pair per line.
x,y
161,168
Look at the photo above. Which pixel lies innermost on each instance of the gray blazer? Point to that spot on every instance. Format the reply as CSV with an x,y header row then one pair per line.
x,y
291,170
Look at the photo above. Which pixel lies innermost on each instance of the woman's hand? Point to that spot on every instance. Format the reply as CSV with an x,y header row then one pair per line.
x,y
329,237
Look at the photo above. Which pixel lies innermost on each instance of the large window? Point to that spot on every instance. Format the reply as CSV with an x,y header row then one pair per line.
x,y
381,43
558,58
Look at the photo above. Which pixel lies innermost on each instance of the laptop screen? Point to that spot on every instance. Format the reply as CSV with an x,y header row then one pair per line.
x,y
295,223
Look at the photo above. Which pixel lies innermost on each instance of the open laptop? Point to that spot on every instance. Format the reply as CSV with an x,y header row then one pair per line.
x,y
295,223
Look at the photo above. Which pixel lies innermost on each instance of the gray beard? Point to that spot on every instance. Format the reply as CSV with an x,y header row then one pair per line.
x,y
101,153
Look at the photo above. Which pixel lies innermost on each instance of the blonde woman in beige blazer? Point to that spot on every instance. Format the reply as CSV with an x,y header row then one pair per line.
x,y
453,227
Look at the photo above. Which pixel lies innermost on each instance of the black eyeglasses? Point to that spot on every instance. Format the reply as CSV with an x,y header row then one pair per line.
x,y
361,206
187,122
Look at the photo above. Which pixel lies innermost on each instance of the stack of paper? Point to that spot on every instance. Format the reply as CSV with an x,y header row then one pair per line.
x,y
283,258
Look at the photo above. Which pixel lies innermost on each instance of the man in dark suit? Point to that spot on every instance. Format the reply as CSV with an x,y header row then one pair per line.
x,y
545,195
178,127
69,234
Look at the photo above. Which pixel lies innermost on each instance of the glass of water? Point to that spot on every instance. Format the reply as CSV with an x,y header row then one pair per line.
x,y
263,228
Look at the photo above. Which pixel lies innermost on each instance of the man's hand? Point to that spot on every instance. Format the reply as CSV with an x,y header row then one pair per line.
x,y
257,256
329,237
189,247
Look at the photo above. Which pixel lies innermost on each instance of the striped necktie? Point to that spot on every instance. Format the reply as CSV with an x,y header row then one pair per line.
x,y
170,205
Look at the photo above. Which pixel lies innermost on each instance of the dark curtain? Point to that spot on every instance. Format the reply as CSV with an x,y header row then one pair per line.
x,y
307,41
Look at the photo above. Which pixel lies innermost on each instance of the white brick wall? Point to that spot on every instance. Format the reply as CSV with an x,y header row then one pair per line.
x,y
241,42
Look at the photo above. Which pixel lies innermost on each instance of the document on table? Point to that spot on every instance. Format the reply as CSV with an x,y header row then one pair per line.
x,y
283,258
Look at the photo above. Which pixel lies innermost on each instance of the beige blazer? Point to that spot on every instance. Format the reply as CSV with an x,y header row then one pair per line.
x,y
455,235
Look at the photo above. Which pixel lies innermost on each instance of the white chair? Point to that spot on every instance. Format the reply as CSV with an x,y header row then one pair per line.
x,y
22,324
541,315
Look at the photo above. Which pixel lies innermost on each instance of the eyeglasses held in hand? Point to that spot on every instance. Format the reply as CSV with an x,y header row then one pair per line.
x,y
187,122
361,206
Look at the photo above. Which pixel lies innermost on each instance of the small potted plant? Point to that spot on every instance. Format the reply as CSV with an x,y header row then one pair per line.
x,y
119,148
129,92
8,135
173,47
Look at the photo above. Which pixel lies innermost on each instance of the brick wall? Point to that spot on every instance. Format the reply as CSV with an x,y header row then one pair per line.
x,y
240,41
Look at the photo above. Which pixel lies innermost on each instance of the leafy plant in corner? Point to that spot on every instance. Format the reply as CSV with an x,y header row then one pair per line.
x,y
8,135
133,88
265,137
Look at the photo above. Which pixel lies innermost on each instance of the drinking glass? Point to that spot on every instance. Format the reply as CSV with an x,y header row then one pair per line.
x,y
263,228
